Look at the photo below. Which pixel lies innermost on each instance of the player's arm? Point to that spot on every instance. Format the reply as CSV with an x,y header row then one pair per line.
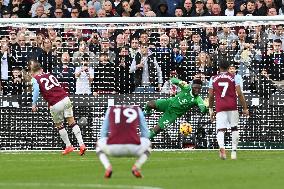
x,y
35,94
105,126
143,125
180,83
241,96
211,100
200,103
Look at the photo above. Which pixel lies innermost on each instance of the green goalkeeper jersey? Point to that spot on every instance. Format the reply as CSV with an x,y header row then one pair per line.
x,y
184,100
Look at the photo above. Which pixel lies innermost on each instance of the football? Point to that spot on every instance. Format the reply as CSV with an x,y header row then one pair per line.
x,y
83,121
185,128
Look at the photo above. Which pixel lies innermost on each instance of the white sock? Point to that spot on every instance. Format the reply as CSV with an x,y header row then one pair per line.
x,y
235,139
104,160
64,136
220,139
141,160
77,132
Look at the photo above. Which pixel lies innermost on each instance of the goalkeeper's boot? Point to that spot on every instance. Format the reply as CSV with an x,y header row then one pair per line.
x,y
82,150
108,172
222,153
136,172
234,154
68,149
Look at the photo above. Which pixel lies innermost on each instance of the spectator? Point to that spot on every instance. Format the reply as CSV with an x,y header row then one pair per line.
x,y
46,58
101,13
6,13
272,11
83,49
84,75
124,79
64,71
33,51
6,65
46,7
204,66
274,63
96,4
75,11
92,11
199,9
178,11
110,11
134,47
230,8
59,10
250,8
216,10
16,84
147,73
94,42
209,5
164,55
184,62
20,8
187,8
163,10
105,49
104,74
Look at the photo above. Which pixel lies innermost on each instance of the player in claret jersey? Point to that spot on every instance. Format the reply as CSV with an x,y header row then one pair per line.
x,y
59,104
224,86
119,137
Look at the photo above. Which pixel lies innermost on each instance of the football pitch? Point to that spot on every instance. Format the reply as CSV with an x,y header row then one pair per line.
x,y
163,170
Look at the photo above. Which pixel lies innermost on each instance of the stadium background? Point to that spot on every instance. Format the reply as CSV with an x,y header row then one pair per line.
x,y
21,129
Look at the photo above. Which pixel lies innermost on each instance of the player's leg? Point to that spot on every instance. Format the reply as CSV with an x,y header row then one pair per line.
x,y
58,118
101,147
77,132
221,128
164,121
160,105
234,120
143,154
68,113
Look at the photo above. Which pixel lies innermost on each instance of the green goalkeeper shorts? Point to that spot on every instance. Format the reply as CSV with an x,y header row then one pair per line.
x,y
169,116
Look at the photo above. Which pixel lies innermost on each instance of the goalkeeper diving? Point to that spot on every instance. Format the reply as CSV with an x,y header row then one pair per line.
x,y
176,106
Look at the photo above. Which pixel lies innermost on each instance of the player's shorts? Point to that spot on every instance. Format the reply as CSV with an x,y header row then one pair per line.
x,y
118,150
61,109
227,119
168,117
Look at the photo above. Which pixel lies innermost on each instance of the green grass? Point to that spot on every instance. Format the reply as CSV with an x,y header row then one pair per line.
x,y
167,170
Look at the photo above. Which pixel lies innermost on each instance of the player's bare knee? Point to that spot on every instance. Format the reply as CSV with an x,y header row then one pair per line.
x,y
151,104
70,120
235,128
157,129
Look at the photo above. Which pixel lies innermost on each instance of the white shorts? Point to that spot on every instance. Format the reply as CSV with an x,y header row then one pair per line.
x,y
227,119
61,109
124,149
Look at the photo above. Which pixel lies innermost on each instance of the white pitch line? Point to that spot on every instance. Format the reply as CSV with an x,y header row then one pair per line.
x,y
68,185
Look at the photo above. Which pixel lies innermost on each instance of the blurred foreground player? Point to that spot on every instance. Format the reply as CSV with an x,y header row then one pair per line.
x,y
59,104
119,137
225,87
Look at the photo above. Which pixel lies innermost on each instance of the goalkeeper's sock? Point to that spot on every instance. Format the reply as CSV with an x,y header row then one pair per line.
x,y
220,139
64,136
235,140
77,132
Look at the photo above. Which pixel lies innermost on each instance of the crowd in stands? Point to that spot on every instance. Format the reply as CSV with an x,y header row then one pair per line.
x,y
137,8
93,61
